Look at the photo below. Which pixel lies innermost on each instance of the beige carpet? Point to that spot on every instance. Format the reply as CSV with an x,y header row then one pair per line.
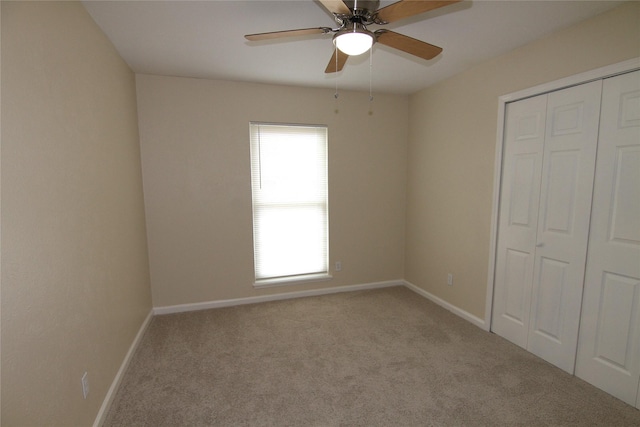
x,y
384,357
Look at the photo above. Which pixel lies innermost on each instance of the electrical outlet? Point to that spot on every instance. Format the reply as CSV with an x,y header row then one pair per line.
x,y
450,279
85,385
338,266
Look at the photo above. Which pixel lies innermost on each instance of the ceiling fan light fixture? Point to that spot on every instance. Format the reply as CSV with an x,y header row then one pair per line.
x,y
354,41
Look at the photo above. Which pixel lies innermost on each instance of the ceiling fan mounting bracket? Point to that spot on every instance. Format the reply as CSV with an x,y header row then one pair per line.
x,y
378,21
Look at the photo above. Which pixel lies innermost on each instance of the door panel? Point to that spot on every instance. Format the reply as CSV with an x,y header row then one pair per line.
x,y
518,216
516,267
563,226
561,191
522,190
549,295
609,350
625,209
616,322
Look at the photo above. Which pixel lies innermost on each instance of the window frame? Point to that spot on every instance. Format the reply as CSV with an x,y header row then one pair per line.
x,y
258,205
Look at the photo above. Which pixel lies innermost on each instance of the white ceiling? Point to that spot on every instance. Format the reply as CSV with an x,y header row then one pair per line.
x,y
205,39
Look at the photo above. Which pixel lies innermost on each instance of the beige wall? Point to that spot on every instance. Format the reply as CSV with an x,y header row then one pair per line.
x,y
452,140
75,281
195,153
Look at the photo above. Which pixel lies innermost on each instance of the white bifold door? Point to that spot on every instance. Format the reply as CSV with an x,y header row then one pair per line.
x,y
609,346
567,274
545,206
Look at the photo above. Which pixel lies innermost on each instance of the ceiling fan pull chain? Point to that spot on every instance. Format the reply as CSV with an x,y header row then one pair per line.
x,y
370,82
336,94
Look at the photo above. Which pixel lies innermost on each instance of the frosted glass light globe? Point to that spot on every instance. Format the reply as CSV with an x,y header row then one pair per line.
x,y
354,43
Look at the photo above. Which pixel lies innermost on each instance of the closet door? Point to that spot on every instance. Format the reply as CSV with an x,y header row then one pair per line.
x,y
609,350
563,222
545,204
518,217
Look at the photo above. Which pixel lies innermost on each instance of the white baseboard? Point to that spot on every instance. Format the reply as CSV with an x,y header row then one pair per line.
x,y
275,297
106,403
181,308
452,308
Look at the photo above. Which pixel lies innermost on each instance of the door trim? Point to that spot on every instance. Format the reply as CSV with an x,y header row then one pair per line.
x,y
577,79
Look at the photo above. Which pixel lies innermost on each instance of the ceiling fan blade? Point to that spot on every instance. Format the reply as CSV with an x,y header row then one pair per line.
x,y
336,6
287,33
407,8
407,44
336,65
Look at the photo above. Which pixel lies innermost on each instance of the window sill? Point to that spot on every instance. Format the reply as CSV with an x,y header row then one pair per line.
x,y
292,280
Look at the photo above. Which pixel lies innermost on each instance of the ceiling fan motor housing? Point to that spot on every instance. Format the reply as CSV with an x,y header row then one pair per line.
x,y
362,11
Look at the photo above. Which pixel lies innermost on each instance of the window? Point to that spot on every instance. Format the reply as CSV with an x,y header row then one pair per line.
x,y
290,202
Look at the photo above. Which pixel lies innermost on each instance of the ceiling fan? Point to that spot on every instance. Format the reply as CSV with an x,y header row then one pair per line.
x,y
352,36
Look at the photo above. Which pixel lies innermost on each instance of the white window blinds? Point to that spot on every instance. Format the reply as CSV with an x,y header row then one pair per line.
x,y
290,200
